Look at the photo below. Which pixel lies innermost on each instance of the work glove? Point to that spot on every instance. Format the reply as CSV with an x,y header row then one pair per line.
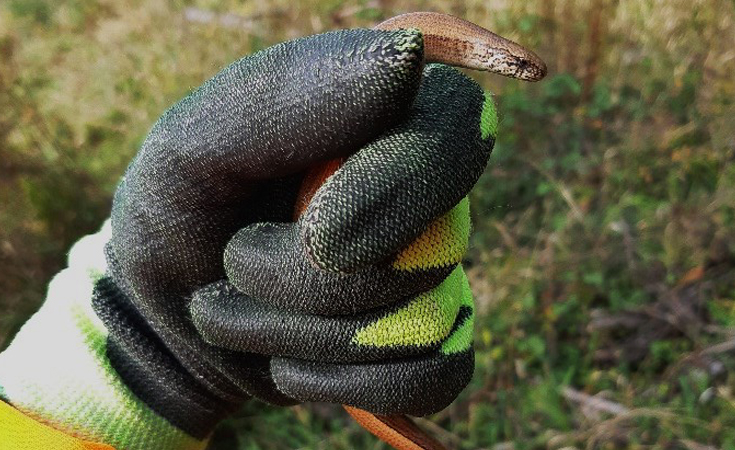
x,y
209,293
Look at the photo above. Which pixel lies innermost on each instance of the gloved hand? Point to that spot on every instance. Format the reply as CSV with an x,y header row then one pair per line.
x,y
363,336
348,315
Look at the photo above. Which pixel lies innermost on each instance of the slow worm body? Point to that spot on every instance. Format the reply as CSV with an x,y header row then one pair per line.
x,y
457,42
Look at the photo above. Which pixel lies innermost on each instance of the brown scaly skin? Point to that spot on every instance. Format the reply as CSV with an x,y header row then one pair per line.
x,y
457,42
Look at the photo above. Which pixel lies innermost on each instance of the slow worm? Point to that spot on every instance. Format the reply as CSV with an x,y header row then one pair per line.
x,y
457,42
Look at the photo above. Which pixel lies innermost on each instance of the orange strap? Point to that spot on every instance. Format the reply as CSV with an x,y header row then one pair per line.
x,y
20,432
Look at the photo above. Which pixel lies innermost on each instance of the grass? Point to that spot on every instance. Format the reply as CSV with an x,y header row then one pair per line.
x,y
604,245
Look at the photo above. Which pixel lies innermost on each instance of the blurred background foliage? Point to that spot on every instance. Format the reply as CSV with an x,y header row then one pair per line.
x,y
604,245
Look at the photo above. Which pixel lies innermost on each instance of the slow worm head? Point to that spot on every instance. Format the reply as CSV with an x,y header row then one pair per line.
x,y
457,42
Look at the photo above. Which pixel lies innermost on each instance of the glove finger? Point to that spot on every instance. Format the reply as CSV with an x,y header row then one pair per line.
x,y
229,319
266,261
385,195
416,386
282,109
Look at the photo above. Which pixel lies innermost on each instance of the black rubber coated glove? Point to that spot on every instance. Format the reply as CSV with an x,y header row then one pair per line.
x,y
225,165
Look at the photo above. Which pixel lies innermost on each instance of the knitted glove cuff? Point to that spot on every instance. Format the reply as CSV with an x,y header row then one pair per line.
x,y
56,370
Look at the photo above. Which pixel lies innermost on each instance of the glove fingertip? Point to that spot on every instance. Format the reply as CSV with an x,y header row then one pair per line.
x,y
318,246
389,192
417,386
209,310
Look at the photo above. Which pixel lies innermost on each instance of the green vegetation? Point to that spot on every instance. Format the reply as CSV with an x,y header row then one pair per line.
x,y
604,242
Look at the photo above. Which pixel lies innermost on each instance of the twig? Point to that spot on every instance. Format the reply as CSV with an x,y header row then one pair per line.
x,y
436,430
692,445
722,347
594,403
